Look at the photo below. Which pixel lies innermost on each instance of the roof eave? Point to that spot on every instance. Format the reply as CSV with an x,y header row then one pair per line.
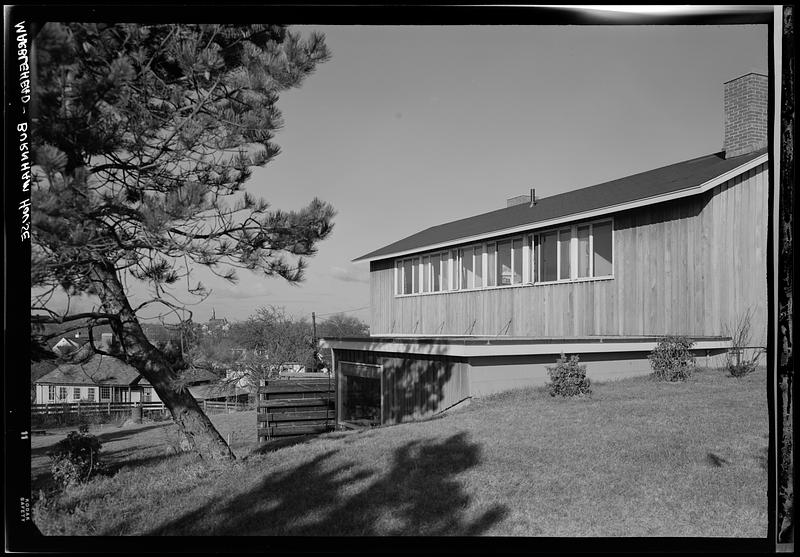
x,y
686,192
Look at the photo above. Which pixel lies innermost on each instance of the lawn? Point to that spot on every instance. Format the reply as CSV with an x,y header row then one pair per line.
x,y
638,458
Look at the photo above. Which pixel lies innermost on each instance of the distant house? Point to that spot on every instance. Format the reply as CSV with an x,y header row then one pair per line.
x,y
486,303
99,378
219,392
66,346
91,377
214,324
242,378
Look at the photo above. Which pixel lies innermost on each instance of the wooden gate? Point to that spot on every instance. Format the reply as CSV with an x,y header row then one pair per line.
x,y
290,407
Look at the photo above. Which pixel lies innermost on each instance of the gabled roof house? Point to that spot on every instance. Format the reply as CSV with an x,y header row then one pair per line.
x,y
485,303
95,378
92,377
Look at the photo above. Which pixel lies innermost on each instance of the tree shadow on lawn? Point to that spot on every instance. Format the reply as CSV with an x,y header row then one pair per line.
x,y
104,438
418,495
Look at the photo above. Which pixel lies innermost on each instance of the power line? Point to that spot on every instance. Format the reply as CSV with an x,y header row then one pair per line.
x,y
343,311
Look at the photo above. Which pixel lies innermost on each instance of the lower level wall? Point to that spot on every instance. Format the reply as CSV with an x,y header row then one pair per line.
x,y
501,373
415,386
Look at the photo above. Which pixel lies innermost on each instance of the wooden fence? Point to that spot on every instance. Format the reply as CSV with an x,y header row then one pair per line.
x,y
119,408
291,407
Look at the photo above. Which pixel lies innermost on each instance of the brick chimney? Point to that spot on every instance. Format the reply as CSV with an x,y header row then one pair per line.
x,y
746,100
530,199
518,200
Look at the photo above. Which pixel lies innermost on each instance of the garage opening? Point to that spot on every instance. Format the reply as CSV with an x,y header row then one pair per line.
x,y
360,394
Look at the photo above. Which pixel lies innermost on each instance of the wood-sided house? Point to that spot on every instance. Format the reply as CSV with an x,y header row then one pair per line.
x,y
486,303
91,377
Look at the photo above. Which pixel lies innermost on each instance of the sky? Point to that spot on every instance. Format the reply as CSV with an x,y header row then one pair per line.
x,y
414,126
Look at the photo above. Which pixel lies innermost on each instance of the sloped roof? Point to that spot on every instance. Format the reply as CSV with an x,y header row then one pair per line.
x,y
191,376
41,368
96,370
217,390
664,180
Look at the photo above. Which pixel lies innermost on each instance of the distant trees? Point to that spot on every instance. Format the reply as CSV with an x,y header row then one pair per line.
x,y
272,331
272,340
342,325
144,137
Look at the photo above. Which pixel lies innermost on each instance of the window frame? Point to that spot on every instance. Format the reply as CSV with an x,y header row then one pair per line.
x,y
486,254
573,252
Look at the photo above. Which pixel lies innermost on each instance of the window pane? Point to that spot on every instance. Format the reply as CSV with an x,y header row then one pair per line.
x,y
436,263
548,250
415,274
563,246
503,263
491,273
90,394
407,277
467,268
583,251
76,393
478,266
445,271
517,259
426,274
602,249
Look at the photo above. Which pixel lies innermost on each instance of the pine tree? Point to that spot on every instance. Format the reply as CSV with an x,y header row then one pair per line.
x,y
144,138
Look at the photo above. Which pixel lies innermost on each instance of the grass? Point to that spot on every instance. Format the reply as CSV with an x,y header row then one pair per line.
x,y
638,458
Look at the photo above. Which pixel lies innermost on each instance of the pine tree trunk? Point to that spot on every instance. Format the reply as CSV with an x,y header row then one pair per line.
x,y
151,363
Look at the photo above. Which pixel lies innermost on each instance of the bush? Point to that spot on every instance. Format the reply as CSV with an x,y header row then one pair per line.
x,y
671,359
741,368
75,459
739,330
568,378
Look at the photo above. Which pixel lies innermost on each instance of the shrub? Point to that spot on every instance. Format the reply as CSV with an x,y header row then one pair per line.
x,y
568,378
739,330
741,368
76,458
671,359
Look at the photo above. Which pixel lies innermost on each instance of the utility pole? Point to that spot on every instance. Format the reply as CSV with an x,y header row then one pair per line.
x,y
314,338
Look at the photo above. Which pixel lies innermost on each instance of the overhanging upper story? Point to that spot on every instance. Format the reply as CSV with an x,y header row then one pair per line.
x,y
680,249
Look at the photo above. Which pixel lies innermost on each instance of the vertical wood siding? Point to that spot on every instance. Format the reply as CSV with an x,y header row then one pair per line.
x,y
681,267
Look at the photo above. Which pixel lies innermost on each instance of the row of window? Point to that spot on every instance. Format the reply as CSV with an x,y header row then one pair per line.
x,y
105,393
569,253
